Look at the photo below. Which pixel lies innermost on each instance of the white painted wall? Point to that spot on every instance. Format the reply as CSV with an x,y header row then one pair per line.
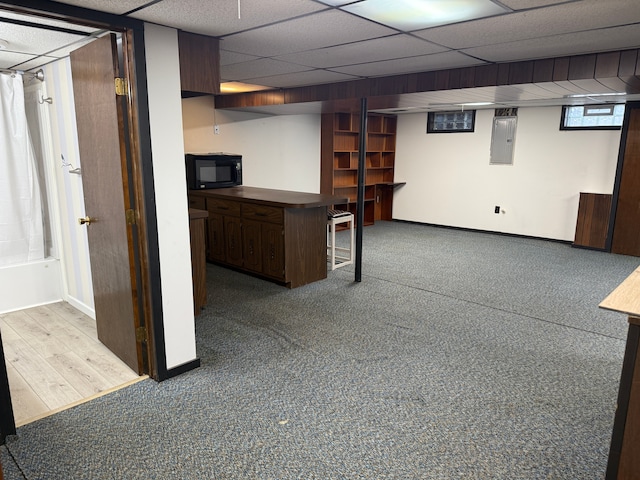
x,y
281,152
449,179
165,112
450,182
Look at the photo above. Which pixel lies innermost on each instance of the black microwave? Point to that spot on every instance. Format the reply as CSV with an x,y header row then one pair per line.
x,y
213,170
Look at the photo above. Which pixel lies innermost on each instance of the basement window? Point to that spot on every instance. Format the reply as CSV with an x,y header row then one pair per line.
x,y
592,117
451,122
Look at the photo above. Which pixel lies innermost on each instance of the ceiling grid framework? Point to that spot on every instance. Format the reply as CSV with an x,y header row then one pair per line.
x,y
285,44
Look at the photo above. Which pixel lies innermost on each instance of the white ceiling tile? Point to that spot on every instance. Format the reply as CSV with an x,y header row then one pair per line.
x,y
42,21
229,58
386,48
10,59
218,18
322,29
560,45
528,4
258,68
437,61
336,3
35,40
111,6
308,34
310,77
36,62
565,18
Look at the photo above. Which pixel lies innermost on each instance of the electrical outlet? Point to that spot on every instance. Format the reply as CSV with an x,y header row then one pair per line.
x,y
216,129
497,209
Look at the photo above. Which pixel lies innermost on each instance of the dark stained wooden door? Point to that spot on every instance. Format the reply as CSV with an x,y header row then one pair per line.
x,y
93,69
626,229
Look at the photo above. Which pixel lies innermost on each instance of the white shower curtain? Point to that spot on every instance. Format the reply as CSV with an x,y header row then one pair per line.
x,y
21,229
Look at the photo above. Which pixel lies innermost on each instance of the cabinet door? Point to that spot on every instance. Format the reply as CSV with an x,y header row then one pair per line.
x,y
252,245
273,250
215,239
233,238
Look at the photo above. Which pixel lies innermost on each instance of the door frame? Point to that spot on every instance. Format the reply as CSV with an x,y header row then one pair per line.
x,y
147,263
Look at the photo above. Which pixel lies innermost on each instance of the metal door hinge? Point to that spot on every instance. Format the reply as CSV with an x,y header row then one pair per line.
x,y
121,86
131,217
141,334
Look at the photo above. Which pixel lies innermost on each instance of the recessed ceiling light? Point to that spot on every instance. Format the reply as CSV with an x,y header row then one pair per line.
x,y
584,95
475,104
239,87
410,15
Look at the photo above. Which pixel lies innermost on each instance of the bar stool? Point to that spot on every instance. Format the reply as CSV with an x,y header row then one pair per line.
x,y
338,256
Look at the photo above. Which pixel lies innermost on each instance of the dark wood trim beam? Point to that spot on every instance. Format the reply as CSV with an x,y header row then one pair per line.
x,y
618,69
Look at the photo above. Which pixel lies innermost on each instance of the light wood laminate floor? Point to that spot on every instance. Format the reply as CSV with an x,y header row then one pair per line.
x,y
55,360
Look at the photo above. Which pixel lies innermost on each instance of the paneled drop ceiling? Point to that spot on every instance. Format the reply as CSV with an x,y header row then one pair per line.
x,y
291,43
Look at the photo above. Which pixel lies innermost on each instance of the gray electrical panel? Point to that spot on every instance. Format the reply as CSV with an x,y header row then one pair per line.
x,y
502,140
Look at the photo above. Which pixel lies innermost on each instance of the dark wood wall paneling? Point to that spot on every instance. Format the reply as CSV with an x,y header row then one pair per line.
x,y
199,63
619,70
626,233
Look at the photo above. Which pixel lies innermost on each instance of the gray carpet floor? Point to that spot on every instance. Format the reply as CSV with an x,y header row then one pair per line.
x,y
461,355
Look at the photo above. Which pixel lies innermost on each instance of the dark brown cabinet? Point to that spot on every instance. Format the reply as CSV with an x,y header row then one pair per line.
x,y
275,234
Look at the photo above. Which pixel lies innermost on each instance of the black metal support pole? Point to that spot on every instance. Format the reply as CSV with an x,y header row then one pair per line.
x,y
362,152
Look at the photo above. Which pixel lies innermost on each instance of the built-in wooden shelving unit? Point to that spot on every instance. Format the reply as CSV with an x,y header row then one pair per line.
x,y
339,162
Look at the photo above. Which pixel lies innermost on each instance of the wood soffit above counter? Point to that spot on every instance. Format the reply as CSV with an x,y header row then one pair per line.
x,y
617,70
272,197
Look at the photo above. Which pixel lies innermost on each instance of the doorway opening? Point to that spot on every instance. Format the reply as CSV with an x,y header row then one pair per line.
x,y
74,278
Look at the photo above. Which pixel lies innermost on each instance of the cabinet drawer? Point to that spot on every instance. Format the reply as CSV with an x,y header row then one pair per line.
x,y
197,202
262,213
225,207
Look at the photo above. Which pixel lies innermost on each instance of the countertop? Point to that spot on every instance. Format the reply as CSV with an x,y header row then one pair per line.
x,y
276,198
626,297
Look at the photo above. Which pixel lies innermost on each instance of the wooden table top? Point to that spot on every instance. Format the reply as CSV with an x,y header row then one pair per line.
x,y
626,297
276,198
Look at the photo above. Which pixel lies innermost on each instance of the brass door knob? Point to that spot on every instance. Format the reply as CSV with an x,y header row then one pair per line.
x,y
86,220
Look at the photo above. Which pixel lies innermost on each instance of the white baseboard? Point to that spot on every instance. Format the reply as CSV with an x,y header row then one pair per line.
x,y
78,305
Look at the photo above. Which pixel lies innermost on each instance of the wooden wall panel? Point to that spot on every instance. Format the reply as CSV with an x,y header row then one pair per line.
x,y
561,69
503,74
581,67
628,62
486,75
521,72
626,231
607,64
592,225
543,70
199,63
